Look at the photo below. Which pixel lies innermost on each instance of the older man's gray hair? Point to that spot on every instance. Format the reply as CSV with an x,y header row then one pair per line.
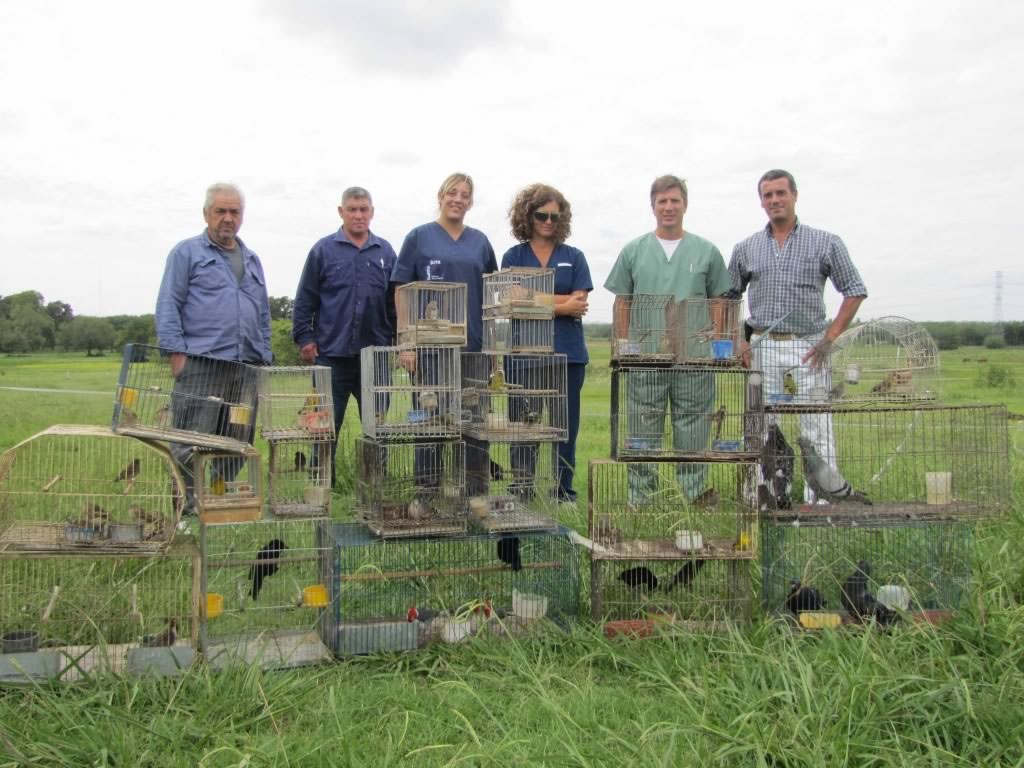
x,y
355,192
219,187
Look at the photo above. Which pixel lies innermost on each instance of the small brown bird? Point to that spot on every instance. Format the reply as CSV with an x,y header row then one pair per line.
x,y
165,638
892,380
130,471
162,419
430,312
141,514
718,419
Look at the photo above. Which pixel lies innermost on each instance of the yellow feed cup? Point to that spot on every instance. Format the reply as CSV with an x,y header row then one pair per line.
x,y
214,605
128,397
315,596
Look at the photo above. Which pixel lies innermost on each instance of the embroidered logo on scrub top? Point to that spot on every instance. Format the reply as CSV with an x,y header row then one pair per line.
x,y
564,264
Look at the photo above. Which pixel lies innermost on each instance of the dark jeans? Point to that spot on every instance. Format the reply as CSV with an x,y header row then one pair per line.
x,y
345,381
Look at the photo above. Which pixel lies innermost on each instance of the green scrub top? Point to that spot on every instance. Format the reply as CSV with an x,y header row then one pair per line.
x,y
695,269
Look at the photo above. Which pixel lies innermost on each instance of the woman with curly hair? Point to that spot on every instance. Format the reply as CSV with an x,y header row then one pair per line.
x,y
541,220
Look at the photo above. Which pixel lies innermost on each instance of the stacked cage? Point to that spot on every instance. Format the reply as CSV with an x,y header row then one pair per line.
x,y
671,513
514,405
410,461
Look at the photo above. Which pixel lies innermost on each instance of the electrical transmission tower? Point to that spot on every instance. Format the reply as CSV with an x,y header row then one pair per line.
x,y
997,307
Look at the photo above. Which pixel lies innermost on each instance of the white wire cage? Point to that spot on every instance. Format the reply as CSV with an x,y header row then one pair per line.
x,y
519,292
431,313
295,403
411,393
708,331
228,487
185,398
511,486
519,335
84,488
644,329
514,397
299,478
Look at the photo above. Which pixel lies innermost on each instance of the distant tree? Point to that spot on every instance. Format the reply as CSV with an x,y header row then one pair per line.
x,y
284,349
1013,332
140,329
995,341
88,334
281,307
60,312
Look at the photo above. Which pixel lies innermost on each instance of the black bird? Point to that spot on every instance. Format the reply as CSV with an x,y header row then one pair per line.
x,y
164,639
265,565
130,471
497,472
686,574
300,461
639,578
858,601
803,598
777,462
508,552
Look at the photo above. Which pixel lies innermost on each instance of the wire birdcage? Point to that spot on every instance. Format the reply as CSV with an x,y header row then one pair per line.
x,y
299,478
708,331
411,393
402,594
85,488
99,612
431,313
266,586
519,292
644,329
519,335
923,462
514,398
228,486
701,412
511,486
668,510
204,402
890,359
412,489
295,403
859,569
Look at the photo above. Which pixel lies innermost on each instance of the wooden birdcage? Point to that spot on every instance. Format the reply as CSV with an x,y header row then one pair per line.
x,y
184,398
431,313
402,594
299,478
411,393
98,612
83,488
514,398
520,335
668,510
708,331
520,293
266,587
644,329
295,403
228,486
412,489
511,486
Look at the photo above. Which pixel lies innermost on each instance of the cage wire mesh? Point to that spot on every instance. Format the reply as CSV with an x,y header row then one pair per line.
x,y
514,398
228,486
402,594
411,393
693,412
299,478
85,488
926,461
519,293
511,486
708,331
668,510
847,566
412,489
100,612
644,328
888,359
205,402
295,403
517,334
266,593
431,313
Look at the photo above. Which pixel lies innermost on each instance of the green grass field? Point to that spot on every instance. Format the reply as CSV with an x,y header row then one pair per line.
x,y
756,696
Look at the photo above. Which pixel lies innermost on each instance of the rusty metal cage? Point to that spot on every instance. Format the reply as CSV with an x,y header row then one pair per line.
x,y
91,613
431,313
519,292
699,412
400,595
412,489
519,334
184,398
295,403
411,393
926,461
708,331
266,588
299,478
84,488
514,398
668,510
644,329
228,486
511,486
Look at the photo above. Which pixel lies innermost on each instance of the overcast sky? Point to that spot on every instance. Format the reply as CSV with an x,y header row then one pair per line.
x,y
903,123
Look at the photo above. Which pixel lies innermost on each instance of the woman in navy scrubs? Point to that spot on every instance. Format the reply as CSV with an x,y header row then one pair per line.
x,y
541,217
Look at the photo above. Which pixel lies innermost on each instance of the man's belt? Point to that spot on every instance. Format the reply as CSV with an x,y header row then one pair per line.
x,y
775,336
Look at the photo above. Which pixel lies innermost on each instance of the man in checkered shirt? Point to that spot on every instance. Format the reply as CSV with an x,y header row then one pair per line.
x,y
785,266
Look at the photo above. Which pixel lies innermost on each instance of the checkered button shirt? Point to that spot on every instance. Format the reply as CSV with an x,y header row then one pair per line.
x,y
792,279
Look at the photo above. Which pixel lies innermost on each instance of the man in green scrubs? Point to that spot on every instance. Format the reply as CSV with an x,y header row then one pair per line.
x,y
670,261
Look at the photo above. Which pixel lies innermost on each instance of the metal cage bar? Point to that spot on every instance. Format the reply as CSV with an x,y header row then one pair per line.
x,y
519,292
514,398
511,486
708,331
644,329
228,486
431,313
530,335
295,403
299,478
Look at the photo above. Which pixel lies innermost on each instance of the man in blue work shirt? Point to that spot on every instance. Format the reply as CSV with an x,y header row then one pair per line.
x,y
344,301
213,302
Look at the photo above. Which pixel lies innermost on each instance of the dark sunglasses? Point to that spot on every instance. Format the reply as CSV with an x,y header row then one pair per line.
x,y
543,217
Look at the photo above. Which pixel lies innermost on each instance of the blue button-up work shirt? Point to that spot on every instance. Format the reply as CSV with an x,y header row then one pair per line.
x,y
344,301
203,310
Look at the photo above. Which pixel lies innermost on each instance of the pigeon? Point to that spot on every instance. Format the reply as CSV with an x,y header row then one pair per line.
x,y
428,400
130,471
300,461
825,480
803,598
508,552
777,461
165,638
639,578
685,575
265,565
858,601
417,510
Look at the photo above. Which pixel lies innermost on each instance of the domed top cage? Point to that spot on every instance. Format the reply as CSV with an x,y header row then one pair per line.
x,y
890,359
